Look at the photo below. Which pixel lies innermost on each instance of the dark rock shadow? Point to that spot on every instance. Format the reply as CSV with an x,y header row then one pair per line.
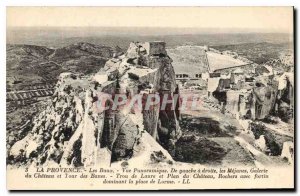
x,y
205,127
195,146
200,150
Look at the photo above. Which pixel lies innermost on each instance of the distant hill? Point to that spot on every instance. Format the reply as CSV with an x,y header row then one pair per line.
x,y
258,52
30,64
122,36
78,50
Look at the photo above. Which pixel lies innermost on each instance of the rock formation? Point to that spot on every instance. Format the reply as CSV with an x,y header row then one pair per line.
x,y
288,151
285,98
75,130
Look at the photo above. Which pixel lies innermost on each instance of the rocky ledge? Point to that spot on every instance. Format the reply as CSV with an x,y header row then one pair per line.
x,y
74,130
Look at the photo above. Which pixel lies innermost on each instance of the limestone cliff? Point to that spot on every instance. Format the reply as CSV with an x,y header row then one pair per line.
x,y
74,130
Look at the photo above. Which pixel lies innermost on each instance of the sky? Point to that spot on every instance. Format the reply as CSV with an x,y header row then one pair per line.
x,y
265,19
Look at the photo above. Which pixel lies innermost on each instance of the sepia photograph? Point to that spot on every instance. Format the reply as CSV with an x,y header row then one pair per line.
x,y
150,98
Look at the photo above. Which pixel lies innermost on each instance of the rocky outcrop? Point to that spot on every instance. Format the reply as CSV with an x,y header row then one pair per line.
x,y
285,99
288,151
83,124
253,99
267,140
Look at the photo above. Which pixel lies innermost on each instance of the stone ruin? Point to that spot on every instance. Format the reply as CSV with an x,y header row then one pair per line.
x,y
253,97
262,104
71,131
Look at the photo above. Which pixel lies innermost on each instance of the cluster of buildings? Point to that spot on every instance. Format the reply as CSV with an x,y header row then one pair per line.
x,y
245,89
251,92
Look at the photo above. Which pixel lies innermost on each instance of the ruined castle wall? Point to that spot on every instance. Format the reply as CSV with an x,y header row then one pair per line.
x,y
154,48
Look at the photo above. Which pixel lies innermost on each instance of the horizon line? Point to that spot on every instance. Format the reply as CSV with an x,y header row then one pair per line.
x,y
225,30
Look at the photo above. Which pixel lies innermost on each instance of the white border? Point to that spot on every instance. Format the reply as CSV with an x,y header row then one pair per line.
x,y
4,3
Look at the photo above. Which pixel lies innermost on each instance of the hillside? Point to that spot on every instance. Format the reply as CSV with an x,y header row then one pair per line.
x,y
30,64
32,72
257,52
